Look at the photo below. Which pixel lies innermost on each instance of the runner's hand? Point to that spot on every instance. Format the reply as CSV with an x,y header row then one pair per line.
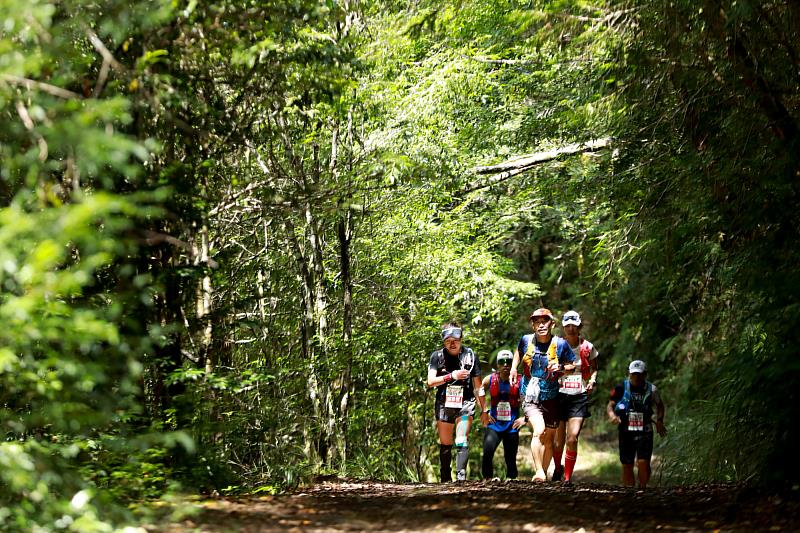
x,y
512,377
554,370
460,374
661,428
518,423
486,419
616,420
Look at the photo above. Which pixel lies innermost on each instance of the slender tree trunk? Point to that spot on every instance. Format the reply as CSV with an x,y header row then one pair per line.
x,y
307,333
203,306
343,384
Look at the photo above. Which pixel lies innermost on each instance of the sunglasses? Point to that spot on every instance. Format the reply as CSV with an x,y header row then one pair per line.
x,y
451,332
504,361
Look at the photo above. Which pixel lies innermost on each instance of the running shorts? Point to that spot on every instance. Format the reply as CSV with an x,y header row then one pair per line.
x,y
573,406
546,409
635,445
451,414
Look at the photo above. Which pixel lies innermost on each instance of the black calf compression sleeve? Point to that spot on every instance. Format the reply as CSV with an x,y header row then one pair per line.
x,y
445,458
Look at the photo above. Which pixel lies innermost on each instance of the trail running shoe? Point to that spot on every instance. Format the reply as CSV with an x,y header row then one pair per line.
x,y
558,473
461,475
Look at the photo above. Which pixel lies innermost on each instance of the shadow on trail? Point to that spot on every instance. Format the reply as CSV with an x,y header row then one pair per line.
x,y
514,506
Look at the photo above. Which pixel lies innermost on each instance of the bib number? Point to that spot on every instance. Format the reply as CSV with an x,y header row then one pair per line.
x,y
572,384
454,397
503,411
635,421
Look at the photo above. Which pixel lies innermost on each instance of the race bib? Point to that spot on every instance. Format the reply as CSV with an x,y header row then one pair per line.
x,y
571,384
503,411
635,421
454,397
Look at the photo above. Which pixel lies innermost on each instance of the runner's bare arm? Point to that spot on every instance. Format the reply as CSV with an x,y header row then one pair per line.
x,y
434,380
514,364
612,416
485,384
476,385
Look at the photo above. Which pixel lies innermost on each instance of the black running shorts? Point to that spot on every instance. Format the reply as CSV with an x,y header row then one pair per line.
x,y
635,445
451,415
573,406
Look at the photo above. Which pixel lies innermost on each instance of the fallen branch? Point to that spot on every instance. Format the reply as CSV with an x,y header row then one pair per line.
x,y
541,157
521,164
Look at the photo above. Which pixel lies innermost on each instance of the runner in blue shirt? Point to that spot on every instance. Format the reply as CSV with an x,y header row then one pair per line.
x,y
545,357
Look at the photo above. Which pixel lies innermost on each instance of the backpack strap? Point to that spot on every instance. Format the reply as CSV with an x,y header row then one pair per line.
x,y
513,395
494,389
585,351
470,356
440,357
527,360
648,390
552,356
626,397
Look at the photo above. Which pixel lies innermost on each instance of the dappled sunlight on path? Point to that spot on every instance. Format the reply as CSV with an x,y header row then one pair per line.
x,y
352,505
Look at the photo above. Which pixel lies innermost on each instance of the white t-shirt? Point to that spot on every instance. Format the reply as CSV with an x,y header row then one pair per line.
x,y
574,383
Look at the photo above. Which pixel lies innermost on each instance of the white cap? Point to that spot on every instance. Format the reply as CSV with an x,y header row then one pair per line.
x,y
637,367
504,354
571,318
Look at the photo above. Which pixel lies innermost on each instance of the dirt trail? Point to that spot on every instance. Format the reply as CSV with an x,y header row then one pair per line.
x,y
507,506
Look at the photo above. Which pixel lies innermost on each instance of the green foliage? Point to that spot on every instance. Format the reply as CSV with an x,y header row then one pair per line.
x,y
231,231
71,357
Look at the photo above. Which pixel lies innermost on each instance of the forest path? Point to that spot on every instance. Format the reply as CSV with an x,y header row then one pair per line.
x,y
507,506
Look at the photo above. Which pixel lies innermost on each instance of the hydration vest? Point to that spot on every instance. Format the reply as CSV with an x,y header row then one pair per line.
x,y
623,406
527,359
494,392
465,354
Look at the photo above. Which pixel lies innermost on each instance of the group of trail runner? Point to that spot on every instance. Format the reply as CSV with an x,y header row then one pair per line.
x,y
551,396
